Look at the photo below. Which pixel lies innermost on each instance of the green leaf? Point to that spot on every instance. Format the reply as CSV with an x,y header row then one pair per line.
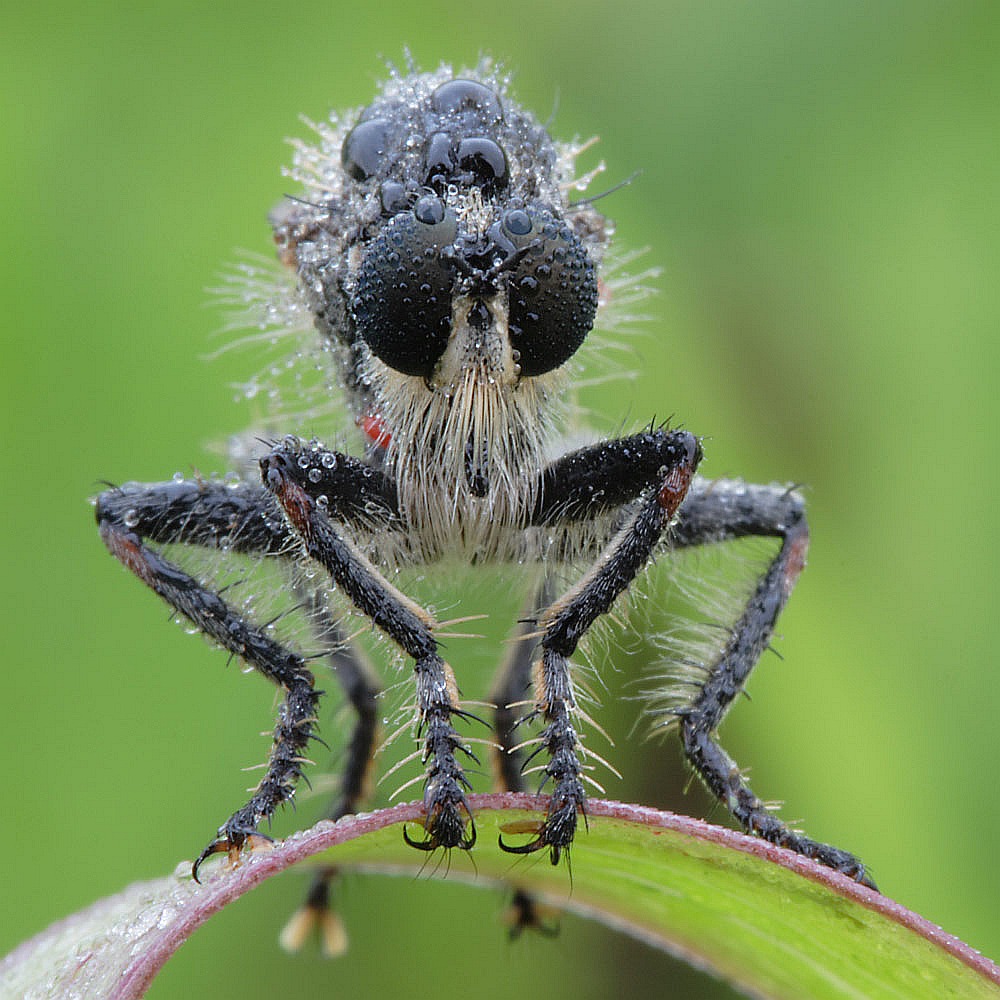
x,y
768,921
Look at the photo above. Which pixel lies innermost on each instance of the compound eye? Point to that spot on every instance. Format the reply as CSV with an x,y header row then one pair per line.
x,y
402,301
364,149
552,290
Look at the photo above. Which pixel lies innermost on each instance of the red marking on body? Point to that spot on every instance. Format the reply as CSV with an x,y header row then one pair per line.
x,y
127,549
296,504
373,427
796,562
287,251
603,293
675,487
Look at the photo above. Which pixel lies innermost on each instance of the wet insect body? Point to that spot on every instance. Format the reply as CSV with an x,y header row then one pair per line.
x,y
451,283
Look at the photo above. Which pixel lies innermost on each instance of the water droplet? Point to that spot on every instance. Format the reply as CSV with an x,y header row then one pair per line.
x,y
131,518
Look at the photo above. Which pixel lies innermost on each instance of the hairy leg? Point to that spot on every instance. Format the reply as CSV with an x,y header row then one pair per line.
x,y
650,473
218,515
713,512
296,477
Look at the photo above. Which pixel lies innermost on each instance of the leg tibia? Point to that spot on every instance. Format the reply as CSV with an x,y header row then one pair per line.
x,y
725,780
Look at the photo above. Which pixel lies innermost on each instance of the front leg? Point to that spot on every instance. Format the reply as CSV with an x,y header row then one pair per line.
x,y
657,468
297,477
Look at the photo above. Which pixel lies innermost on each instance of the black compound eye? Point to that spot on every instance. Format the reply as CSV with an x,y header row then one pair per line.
x,y
364,149
456,96
402,300
552,290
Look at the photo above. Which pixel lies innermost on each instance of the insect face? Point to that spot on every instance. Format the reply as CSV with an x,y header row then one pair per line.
x,y
443,261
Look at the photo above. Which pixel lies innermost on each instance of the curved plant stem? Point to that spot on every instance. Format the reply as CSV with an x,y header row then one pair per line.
x,y
772,923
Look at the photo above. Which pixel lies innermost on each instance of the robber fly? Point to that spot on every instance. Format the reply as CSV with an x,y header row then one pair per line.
x,y
451,281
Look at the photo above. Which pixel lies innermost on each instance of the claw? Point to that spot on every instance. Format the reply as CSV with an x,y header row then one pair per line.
x,y
434,838
432,843
860,875
523,826
428,844
233,846
537,843
529,848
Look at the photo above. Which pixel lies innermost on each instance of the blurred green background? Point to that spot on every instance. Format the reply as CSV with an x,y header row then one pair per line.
x,y
819,182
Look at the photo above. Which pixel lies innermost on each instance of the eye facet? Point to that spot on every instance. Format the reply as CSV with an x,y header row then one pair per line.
x,y
402,301
552,290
